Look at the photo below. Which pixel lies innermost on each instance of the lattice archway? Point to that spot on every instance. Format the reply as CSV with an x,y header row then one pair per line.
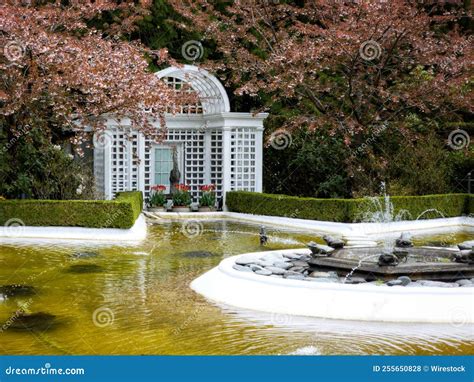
x,y
211,93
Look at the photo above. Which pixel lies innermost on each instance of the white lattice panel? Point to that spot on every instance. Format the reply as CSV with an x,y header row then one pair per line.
x,y
243,159
123,161
216,161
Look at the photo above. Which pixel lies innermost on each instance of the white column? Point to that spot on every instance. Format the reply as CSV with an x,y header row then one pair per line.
x,y
226,159
108,171
259,160
141,164
207,156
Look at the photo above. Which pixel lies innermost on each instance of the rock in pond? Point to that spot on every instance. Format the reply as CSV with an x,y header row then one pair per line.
x,y
276,270
464,282
34,321
395,283
319,249
282,265
405,280
466,245
333,242
263,272
292,256
241,268
85,268
320,274
355,280
17,290
404,241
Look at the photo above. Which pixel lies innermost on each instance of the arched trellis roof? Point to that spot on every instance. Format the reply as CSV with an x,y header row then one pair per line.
x,y
211,93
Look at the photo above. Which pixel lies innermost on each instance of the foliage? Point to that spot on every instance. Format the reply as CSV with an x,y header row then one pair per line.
x,y
32,167
157,196
119,213
60,73
181,196
208,195
342,210
375,79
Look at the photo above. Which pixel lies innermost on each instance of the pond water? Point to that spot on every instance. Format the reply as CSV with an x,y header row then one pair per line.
x,y
137,300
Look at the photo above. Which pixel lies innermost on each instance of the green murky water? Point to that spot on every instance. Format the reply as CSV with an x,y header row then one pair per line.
x,y
137,300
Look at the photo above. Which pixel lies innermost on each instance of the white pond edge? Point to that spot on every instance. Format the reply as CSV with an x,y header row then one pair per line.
x,y
362,302
364,234
137,232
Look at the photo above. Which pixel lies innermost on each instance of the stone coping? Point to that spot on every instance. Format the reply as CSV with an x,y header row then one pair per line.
x,y
20,233
364,302
357,232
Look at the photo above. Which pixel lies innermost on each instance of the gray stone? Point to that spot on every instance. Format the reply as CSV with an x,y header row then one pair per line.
x,y
238,267
405,280
464,282
466,245
294,277
320,274
299,263
440,284
333,242
292,256
394,283
282,265
245,260
255,267
356,280
265,263
263,272
467,286
404,240
297,269
276,270
319,249
194,207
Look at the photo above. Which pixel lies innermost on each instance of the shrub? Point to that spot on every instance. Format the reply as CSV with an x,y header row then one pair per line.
x,y
345,210
118,213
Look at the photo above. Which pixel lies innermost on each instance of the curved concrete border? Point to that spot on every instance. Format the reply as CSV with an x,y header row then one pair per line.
x,y
355,234
19,233
365,302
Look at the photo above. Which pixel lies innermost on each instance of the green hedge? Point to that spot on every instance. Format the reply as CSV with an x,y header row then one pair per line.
x,y
118,213
345,210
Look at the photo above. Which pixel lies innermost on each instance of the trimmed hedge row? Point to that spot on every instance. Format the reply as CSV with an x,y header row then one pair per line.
x,y
118,213
345,210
